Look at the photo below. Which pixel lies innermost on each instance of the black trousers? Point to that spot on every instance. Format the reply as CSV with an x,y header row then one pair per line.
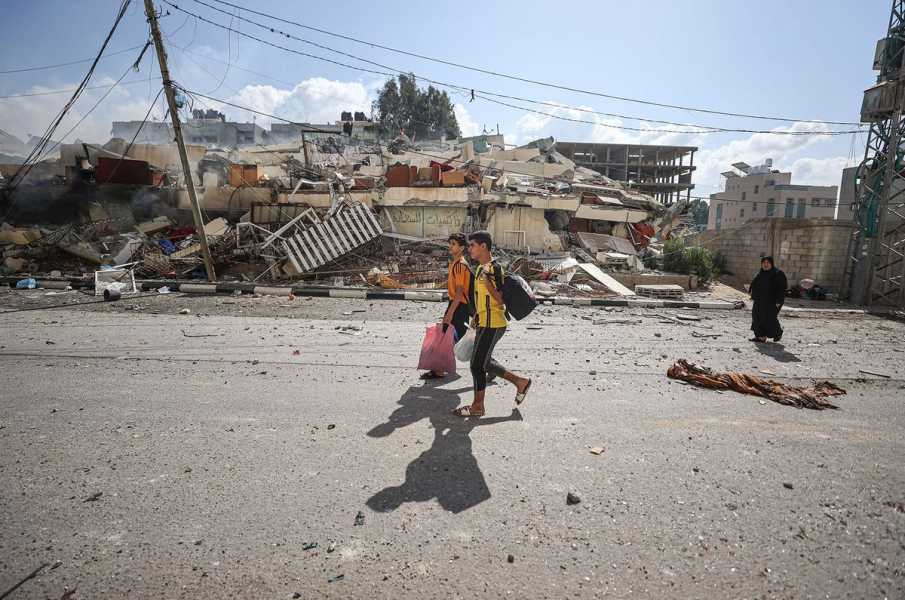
x,y
482,361
459,319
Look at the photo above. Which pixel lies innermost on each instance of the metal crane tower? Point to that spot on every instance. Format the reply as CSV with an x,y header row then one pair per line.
x,y
875,272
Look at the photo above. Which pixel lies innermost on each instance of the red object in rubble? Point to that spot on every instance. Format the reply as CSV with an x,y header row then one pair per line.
x,y
643,232
125,171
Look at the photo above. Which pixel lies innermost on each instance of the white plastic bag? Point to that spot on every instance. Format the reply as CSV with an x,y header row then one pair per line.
x,y
465,347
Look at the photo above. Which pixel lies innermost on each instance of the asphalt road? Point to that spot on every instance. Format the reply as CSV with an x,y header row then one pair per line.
x,y
184,456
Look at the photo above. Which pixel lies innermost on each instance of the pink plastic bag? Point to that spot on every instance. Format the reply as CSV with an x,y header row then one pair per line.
x,y
437,350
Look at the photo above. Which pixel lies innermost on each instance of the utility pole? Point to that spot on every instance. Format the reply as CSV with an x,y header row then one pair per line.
x,y
170,93
305,150
875,271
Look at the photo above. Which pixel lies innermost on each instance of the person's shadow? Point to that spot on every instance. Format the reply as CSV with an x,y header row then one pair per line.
x,y
777,352
447,471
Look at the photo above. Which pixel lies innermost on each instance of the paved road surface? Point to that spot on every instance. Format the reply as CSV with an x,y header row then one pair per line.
x,y
221,449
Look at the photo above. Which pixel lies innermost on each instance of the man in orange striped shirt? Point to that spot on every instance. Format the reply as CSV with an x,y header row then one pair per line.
x,y
458,286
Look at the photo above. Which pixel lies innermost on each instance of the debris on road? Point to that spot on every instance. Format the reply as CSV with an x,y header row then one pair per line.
x,y
359,519
597,451
572,498
801,397
93,497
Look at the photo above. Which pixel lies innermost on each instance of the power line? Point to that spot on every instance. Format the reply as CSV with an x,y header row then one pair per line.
x,y
45,139
67,64
450,160
67,90
465,89
524,79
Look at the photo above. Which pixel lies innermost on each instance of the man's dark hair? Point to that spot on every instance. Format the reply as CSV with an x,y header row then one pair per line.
x,y
458,238
482,237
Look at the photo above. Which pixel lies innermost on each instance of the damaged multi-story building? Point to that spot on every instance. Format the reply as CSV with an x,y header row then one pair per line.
x,y
295,200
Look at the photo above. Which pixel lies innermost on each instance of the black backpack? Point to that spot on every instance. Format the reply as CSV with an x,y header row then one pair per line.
x,y
518,297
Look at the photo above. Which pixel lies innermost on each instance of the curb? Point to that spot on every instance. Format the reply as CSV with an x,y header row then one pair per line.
x,y
147,285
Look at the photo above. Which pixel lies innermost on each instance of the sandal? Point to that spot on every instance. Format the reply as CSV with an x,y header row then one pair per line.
x,y
466,411
758,340
520,397
430,375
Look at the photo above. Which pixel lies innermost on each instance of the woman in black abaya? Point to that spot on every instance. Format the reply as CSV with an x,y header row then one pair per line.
x,y
768,291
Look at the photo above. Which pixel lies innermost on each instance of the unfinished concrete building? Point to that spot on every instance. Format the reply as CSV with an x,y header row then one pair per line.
x,y
663,172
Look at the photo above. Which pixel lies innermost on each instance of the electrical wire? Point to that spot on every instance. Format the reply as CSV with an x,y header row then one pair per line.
x,y
520,78
315,129
703,129
67,90
67,64
45,139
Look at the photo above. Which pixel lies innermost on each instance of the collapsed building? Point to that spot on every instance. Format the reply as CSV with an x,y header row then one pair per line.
x,y
333,205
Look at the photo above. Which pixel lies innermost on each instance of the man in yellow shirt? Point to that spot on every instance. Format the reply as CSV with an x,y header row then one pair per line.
x,y
490,323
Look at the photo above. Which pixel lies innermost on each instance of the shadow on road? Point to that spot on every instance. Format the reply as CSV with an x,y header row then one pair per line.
x,y
447,471
777,352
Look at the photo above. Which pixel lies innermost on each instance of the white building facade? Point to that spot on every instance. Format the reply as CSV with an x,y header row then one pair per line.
x,y
761,191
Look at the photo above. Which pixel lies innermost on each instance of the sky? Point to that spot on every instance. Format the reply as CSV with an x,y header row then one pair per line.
x,y
804,60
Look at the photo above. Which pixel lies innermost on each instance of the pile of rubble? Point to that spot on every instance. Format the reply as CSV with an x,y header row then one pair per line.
x,y
342,214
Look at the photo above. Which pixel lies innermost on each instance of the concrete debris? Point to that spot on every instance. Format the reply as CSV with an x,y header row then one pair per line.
x,y
814,397
331,210
668,291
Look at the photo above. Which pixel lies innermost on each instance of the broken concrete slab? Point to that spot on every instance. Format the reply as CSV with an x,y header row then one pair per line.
x,y
604,279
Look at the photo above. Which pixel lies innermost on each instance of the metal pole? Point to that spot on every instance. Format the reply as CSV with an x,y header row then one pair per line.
x,y
170,93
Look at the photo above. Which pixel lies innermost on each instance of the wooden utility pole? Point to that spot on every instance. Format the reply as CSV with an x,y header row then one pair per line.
x,y
177,131
305,149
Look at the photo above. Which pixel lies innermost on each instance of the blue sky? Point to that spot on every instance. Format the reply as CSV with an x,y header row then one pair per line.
x,y
802,59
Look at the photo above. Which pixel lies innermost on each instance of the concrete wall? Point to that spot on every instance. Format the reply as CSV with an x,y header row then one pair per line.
x,y
813,248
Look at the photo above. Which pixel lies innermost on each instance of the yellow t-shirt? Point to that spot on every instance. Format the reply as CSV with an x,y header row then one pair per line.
x,y
490,313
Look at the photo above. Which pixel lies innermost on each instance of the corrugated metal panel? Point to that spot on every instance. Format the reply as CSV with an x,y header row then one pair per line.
x,y
325,242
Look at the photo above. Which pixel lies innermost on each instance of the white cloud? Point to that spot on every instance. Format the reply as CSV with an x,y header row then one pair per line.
x,y
31,115
314,100
819,171
467,125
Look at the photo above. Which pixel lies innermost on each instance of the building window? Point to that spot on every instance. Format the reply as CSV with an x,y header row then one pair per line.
x,y
719,215
769,182
790,208
754,207
771,207
829,202
802,205
756,189
743,196
815,201
741,213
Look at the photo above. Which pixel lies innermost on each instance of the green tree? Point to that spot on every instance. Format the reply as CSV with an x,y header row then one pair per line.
x,y
700,210
427,114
